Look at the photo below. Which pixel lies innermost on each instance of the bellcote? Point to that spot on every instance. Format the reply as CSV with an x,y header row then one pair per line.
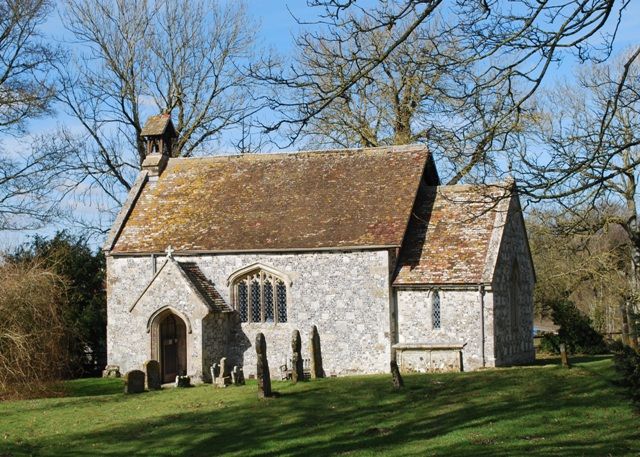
x,y
159,135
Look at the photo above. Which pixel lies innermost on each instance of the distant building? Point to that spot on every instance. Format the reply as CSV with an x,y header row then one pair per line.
x,y
364,244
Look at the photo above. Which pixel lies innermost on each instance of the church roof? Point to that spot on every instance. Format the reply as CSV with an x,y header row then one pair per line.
x,y
204,286
274,202
453,235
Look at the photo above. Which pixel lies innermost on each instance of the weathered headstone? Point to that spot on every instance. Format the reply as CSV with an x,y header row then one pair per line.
x,y
564,357
152,371
262,372
224,378
237,376
297,364
316,355
183,381
398,382
111,371
134,382
215,372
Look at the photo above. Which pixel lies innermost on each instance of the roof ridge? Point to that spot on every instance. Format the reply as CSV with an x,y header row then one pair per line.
x,y
307,152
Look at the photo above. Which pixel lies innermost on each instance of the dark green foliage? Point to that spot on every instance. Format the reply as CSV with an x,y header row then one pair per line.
x,y
627,364
575,331
85,313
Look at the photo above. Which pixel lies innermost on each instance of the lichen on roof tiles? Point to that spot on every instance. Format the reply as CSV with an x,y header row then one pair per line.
x,y
155,125
449,234
288,201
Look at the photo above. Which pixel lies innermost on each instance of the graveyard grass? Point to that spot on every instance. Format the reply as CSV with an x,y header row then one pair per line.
x,y
542,410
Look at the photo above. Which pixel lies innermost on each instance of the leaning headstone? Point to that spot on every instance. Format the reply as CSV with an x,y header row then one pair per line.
x,y
183,381
152,371
316,355
564,357
111,371
134,382
237,376
215,372
262,372
396,376
297,364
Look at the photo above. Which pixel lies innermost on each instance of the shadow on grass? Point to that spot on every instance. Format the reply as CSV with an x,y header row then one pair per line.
x,y
552,359
503,412
91,387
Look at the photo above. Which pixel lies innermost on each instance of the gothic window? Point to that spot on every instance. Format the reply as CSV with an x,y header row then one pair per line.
x,y
435,310
260,296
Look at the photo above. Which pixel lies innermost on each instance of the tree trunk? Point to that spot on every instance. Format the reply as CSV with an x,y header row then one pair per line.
x,y
625,324
631,305
632,325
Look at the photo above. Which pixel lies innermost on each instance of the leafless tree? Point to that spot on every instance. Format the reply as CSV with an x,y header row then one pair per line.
x,y
586,267
25,59
585,153
137,59
26,92
504,50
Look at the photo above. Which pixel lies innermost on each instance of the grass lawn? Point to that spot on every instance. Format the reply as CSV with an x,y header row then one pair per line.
x,y
540,410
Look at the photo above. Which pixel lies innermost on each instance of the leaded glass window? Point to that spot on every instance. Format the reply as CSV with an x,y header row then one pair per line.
x,y
256,312
267,294
243,302
282,301
260,296
435,310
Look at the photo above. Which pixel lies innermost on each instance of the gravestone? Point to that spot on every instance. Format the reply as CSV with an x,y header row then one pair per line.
x,y
134,382
262,372
316,355
237,376
564,357
152,371
297,364
398,382
224,378
183,381
215,372
111,371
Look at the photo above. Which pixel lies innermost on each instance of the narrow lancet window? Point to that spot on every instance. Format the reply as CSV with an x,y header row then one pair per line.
x,y
435,310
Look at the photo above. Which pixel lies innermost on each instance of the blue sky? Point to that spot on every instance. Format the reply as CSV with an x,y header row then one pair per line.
x,y
276,30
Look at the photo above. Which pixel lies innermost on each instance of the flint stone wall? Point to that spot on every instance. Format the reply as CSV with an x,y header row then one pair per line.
x,y
345,294
460,324
514,345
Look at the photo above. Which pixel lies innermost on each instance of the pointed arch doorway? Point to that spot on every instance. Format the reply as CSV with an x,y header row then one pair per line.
x,y
172,347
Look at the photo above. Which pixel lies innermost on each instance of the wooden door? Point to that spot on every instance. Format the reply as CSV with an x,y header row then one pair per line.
x,y
173,348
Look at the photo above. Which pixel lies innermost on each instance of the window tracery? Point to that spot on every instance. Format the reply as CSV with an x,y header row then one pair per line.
x,y
260,296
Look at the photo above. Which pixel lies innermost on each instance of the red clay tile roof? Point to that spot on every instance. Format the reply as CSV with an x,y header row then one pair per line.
x,y
311,200
449,234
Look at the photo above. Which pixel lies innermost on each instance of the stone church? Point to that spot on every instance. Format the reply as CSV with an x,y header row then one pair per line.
x,y
364,244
